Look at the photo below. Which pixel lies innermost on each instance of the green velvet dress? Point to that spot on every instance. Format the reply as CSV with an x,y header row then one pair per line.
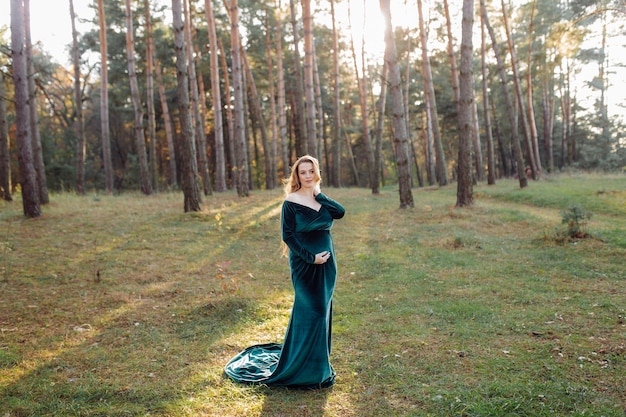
x,y
302,360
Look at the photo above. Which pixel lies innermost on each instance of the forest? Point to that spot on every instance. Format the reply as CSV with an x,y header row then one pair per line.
x,y
209,96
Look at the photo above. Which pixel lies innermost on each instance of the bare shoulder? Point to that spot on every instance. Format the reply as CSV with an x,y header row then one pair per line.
x,y
293,197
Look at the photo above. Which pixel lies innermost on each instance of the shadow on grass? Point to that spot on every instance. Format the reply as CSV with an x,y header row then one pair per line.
x,y
309,403
137,364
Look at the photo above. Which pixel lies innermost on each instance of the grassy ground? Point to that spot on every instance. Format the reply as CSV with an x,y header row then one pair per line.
x,y
125,306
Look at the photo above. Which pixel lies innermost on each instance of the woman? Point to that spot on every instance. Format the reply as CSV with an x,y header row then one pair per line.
x,y
302,360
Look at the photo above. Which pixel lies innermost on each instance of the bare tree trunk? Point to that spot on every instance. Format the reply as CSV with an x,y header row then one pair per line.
x,y
399,124
40,169
464,193
256,109
380,123
517,150
491,162
167,121
140,139
282,115
238,89
196,113
336,130
5,159
230,122
218,126
299,110
429,92
28,176
529,93
309,88
547,99
150,97
319,111
519,95
188,166
78,107
272,100
365,129
104,102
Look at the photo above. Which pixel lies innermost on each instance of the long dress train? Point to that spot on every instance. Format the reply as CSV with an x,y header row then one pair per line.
x,y
302,360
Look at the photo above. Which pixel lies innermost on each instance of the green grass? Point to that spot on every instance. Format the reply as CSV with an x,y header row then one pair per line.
x,y
126,306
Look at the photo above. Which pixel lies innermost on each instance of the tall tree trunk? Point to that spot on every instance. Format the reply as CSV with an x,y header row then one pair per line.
x,y
491,161
365,129
258,114
40,169
238,90
299,110
78,108
146,186
517,150
464,193
5,159
380,123
399,124
28,176
104,101
218,126
547,101
529,93
272,100
188,167
197,117
282,114
519,95
429,92
336,129
319,111
154,178
230,122
309,87
167,121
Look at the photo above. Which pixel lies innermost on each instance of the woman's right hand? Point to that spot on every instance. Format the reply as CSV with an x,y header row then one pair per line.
x,y
322,257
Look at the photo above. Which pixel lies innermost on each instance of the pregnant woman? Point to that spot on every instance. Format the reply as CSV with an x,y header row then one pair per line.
x,y
302,360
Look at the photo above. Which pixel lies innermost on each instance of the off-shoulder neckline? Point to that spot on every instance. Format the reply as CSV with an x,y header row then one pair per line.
x,y
304,205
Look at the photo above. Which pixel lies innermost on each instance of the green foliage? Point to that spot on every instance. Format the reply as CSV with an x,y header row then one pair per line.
x,y
576,218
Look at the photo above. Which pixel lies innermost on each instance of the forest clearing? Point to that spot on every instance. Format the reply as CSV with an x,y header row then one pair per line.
x,y
126,306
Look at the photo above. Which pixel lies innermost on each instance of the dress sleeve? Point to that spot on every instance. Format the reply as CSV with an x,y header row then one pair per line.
x,y
335,209
288,226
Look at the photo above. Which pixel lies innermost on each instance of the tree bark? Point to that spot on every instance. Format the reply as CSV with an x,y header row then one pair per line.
x,y
519,95
188,166
78,108
104,102
309,88
282,114
154,178
529,94
510,111
167,121
5,159
464,194
197,116
399,124
302,147
230,123
429,92
491,162
28,176
40,169
272,99
336,129
218,125
238,97
140,139
378,133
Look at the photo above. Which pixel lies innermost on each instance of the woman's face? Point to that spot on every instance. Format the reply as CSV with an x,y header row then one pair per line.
x,y
306,175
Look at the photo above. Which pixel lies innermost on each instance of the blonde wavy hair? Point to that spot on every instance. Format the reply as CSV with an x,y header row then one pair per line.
x,y
292,184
